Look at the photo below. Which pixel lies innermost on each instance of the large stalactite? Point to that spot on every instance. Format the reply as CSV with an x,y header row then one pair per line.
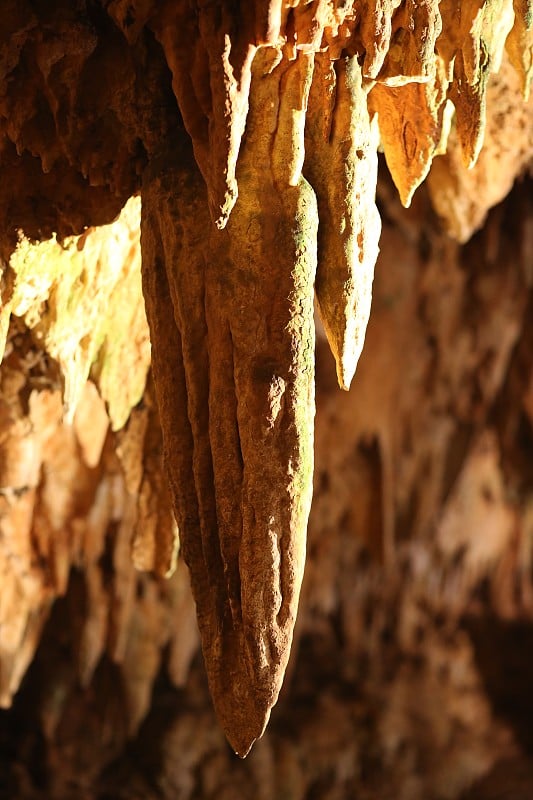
x,y
251,132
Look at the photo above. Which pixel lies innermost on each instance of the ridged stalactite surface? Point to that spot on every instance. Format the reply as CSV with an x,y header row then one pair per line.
x,y
235,382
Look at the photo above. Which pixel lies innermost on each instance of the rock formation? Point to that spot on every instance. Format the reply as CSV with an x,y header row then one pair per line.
x,y
251,132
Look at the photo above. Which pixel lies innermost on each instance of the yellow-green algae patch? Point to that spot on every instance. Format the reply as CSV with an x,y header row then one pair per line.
x,y
82,300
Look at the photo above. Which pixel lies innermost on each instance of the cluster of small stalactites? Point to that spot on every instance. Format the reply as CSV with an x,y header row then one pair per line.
x,y
420,61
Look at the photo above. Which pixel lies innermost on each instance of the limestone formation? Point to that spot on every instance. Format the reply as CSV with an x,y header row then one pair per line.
x,y
251,132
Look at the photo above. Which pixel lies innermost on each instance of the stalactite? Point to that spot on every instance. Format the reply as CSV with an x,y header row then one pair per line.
x,y
234,377
342,142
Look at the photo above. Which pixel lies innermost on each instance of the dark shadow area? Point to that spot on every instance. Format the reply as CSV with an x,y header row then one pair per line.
x,y
504,656
509,780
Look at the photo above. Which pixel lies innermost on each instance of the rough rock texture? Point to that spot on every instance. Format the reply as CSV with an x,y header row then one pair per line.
x,y
235,386
285,104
